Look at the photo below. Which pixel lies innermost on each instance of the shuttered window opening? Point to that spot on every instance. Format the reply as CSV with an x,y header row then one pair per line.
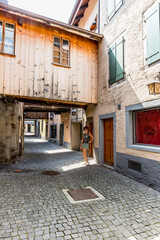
x,y
113,7
116,61
61,52
7,38
152,24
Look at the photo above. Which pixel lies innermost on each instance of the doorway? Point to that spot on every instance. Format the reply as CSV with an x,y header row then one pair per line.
x,y
107,139
76,136
108,142
61,134
29,128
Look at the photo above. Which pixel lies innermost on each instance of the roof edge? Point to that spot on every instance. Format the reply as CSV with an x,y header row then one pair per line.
x,y
73,11
52,22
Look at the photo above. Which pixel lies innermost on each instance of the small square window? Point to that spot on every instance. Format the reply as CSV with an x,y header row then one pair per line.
x,y
61,51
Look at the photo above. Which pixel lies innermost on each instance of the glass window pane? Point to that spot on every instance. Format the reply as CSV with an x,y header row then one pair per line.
x,y
56,53
8,49
57,40
9,34
9,42
56,60
65,62
0,39
9,26
65,55
56,46
65,45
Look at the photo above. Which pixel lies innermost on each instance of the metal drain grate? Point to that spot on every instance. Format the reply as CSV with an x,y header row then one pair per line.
x,y
51,173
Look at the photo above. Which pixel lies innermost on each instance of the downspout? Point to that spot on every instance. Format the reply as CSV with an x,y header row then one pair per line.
x,y
98,16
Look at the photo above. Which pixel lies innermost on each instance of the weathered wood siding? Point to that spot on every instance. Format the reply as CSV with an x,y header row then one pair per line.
x,y
31,72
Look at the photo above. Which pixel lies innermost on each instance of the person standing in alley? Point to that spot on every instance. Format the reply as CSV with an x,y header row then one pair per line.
x,y
86,141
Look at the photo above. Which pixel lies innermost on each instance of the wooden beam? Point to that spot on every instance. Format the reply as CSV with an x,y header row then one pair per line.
x,y
47,102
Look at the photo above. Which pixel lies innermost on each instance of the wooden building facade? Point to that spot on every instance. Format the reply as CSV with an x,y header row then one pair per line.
x,y
42,59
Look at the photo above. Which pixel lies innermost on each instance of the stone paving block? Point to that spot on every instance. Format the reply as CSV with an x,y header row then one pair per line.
x,y
40,210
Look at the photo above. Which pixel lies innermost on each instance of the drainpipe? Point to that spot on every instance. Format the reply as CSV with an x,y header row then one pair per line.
x,y
98,16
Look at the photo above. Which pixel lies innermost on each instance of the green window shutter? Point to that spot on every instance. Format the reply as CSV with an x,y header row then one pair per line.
x,y
152,18
111,8
120,59
112,64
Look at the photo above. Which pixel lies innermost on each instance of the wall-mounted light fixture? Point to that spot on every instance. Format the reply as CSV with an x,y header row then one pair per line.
x,y
154,88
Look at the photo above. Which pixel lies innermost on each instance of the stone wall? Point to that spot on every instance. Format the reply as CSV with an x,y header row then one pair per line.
x,y
11,130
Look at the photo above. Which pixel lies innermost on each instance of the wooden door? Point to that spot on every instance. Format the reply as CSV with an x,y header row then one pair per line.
x,y
91,145
108,142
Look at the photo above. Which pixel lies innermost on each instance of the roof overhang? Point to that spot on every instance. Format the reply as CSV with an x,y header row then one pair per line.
x,y
50,22
78,11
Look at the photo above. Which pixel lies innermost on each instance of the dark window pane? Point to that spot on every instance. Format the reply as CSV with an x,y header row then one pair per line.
x,y
65,45
10,26
57,40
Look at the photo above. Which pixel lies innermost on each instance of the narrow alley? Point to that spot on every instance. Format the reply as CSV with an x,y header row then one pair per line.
x,y
33,205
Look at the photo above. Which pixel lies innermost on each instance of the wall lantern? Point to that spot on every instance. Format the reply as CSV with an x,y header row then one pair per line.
x,y
154,88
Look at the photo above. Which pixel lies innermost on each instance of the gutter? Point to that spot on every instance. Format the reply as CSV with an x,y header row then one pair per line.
x,y
50,22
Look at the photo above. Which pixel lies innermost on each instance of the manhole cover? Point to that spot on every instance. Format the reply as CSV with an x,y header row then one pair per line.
x,y
82,194
51,173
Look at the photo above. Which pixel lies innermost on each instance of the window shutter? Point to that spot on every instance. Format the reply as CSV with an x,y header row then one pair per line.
x,y
120,59
118,4
111,8
152,18
112,64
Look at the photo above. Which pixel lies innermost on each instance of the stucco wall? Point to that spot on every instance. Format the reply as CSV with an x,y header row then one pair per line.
x,y
11,130
65,119
128,22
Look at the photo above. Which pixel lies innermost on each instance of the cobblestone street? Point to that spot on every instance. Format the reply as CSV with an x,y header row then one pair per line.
x,y
33,206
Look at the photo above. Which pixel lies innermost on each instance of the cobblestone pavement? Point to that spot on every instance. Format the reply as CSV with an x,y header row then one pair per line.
x,y
33,206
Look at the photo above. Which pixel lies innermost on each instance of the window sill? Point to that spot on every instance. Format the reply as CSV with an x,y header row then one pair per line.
x,y
145,147
7,54
59,65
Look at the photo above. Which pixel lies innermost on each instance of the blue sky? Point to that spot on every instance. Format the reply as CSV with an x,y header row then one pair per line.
x,y
56,9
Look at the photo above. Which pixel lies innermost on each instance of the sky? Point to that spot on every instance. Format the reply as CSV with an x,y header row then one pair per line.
x,y
55,9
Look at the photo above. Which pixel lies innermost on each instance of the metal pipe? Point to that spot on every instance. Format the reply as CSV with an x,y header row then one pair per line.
x,y
98,16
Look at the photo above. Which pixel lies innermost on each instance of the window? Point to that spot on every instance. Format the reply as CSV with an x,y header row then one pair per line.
x,y
61,51
7,32
152,18
147,127
116,61
53,131
113,7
